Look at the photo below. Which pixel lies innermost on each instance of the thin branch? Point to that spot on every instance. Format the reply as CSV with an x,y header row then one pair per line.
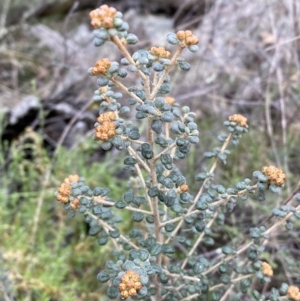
x,y
286,201
131,140
171,146
217,203
124,88
281,221
126,54
147,87
179,276
221,260
158,234
4,13
290,40
269,100
246,246
279,78
283,125
133,153
228,291
140,175
212,169
196,279
166,72
196,244
225,144
155,79
153,179
100,222
110,228
99,200
176,219
191,297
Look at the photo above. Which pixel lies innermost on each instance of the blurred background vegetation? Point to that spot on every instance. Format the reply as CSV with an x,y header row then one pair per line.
x,y
249,63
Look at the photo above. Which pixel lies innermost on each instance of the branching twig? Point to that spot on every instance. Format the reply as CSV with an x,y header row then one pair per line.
x,y
110,228
126,54
212,169
166,72
167,149
123,88
100,200
133,153
196,244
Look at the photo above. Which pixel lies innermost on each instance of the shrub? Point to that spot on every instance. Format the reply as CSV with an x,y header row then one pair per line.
x,y
172,251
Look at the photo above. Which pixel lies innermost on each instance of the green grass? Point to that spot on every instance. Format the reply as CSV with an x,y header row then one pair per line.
x,y
64,261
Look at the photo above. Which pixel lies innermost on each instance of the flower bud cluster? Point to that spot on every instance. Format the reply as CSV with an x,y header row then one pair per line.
x,y
187,38
236,125
103,17
105,126
160,52
263,271
108,23
101,67
293,293
270,178
76,196
130,284
184,39
266,269
274,174
65,189
130,277
239,119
